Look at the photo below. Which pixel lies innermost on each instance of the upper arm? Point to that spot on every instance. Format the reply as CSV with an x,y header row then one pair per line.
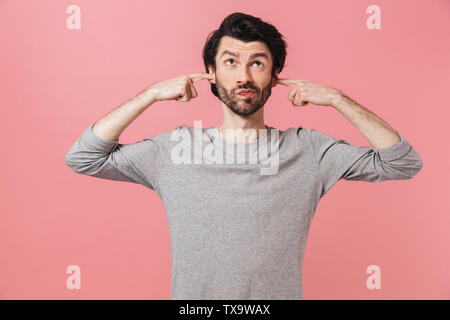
x,y
337,159
138,162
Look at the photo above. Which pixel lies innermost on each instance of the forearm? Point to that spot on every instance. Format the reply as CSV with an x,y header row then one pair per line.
x,y
377,131
111,126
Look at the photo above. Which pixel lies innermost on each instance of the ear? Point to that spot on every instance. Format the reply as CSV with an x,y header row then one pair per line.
x,y
275,78
210,70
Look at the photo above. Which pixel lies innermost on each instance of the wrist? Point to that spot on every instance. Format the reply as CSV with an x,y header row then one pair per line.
x,y
151,95
336,98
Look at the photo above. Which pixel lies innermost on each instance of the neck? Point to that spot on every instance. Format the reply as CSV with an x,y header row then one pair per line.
x,y
250,126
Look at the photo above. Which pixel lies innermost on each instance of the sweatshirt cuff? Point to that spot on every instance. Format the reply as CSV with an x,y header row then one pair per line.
x,y
97,143
397,151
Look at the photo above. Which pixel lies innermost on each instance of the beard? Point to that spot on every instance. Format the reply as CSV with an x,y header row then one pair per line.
x,y
244,106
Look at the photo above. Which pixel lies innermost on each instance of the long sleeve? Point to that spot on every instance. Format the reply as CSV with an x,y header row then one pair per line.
x,y
138,162
337,159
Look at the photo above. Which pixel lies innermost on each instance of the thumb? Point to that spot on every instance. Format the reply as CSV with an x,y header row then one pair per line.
x,y
192,88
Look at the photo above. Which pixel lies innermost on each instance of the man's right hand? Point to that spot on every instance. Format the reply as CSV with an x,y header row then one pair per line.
x,y
180,88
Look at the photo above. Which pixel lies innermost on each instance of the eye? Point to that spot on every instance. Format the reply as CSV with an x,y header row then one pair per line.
x,y
260,63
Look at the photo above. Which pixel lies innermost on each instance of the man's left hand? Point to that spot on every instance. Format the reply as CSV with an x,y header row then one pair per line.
x,y
304,91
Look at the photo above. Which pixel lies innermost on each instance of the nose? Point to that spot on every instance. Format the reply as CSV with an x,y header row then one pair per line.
x,y
244,76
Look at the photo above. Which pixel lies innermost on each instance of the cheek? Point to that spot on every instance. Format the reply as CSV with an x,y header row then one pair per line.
x,y
262,79
267,78
224,81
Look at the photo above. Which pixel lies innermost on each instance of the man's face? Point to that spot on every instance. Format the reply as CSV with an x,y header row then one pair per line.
x,y
241,65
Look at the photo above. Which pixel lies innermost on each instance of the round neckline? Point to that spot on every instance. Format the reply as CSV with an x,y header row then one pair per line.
x,y
240,149
260,138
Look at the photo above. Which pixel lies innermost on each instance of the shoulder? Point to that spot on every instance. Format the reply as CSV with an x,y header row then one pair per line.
x,y
298,132
166,136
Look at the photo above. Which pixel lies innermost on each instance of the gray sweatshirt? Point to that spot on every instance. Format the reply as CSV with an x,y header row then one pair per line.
x,y
238,228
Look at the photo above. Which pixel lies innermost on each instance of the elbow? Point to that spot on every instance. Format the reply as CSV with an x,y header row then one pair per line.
x,y
83,165
404,168
414,166
405,172
72,163
415,169
86,158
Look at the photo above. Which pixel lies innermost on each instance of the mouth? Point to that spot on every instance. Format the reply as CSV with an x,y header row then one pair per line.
x,y
246,93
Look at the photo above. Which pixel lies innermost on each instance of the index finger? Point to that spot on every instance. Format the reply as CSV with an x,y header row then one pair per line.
x,y
200,76
289,82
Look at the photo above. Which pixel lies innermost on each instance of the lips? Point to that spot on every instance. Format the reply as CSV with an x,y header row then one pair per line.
x,y
245,91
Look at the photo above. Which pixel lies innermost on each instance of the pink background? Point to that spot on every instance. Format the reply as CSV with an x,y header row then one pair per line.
x,y
54,82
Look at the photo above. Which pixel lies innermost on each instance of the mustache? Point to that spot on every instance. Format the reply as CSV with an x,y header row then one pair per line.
x,y
247,87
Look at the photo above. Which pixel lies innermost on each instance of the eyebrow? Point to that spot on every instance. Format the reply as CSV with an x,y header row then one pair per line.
x,y
255,55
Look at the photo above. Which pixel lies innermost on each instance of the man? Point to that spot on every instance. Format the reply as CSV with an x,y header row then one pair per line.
x,y
236,233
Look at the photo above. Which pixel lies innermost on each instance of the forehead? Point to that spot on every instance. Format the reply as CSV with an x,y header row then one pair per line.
x,y
241,47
